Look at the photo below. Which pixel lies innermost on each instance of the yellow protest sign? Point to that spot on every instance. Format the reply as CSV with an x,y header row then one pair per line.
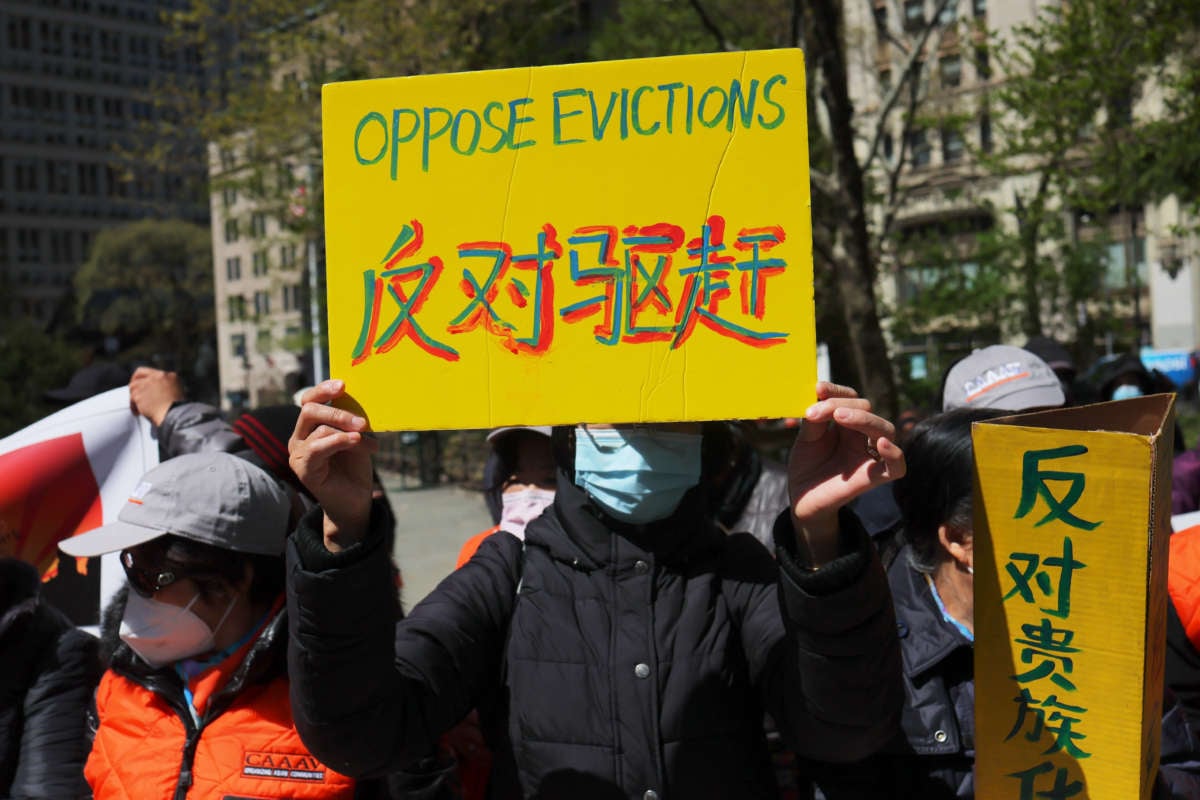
x,y
1071,534
619,241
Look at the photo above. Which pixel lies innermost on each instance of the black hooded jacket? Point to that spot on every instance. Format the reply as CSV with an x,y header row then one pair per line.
x,y
48,671
605,663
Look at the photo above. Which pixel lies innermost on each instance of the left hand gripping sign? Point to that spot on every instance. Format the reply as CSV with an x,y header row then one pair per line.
x,y
621,241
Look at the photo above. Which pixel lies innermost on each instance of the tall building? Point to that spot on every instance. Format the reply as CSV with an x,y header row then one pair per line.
x,y
261,274
73,75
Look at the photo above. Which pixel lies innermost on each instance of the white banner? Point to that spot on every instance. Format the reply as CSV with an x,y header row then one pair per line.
x,y
67,474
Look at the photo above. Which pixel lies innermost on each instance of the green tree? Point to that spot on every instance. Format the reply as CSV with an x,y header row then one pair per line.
x,y
31,362
149,284
1070,126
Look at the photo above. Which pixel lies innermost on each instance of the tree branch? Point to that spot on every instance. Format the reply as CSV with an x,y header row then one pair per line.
x,y
711,27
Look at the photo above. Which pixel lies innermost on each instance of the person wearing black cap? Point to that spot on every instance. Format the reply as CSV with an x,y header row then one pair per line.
x,y
89,381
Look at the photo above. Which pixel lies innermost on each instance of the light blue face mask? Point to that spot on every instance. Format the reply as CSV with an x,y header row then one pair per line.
x,y
637,475
1126,391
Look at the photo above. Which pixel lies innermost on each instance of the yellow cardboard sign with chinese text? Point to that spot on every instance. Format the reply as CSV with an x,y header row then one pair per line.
x,y
1072,519
620,241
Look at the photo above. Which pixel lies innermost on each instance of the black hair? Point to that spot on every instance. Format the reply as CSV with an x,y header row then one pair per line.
x,y
936,488
215,569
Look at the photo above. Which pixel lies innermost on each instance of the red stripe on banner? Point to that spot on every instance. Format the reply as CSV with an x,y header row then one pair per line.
x,y
262,441
48,493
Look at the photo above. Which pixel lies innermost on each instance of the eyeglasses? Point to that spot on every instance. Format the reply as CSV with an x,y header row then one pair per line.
x,y
146,581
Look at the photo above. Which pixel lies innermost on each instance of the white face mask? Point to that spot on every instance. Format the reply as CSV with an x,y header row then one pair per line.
x,y
162,633
522,506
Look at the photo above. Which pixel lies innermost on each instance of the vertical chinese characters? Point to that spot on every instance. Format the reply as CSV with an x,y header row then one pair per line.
x,y
1043,580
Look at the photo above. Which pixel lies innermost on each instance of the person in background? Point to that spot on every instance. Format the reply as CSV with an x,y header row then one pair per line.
x,y
932,583
48,671
1059,359
93,379
748,490
195,701
518,481
628,647
259,435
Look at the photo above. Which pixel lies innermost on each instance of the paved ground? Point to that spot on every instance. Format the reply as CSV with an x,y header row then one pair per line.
x,y
431,526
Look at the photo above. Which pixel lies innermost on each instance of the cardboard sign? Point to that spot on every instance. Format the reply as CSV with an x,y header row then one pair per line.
x,y
611,242
1072,520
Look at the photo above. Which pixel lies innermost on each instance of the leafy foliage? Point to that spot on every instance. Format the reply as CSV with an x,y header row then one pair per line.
x,y
149,284
31,362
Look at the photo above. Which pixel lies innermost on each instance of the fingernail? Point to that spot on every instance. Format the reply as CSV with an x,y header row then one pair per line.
x,y
358,421
812,410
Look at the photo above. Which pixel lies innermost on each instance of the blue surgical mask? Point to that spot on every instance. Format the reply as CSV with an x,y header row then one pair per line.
x,y
1126,391
637,475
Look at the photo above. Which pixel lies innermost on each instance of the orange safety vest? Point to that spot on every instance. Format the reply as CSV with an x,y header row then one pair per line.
x,y
1183,580
471,545
249,751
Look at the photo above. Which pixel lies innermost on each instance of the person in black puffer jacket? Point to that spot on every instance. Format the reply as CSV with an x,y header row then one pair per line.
x,y
629,647
50,670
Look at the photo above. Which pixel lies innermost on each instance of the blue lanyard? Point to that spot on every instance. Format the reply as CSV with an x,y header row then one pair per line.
x,y
937,598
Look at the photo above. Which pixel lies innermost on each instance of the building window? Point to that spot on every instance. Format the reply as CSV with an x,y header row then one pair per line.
x,y
231,231
291,297
260,263
983,66
58,177
25,176
985,133
952,146
262,342
885,81
89,179
228,196
287,256
914,15
236,306
889,148
237,345
258,224
233,268
881,18
20,34
949,13
980,8
920,148
950,69
262,304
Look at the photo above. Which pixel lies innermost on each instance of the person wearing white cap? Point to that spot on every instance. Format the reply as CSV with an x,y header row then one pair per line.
x,y
195,701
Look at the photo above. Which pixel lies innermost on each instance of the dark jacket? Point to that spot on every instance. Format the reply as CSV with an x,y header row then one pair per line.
x,y
48,671
934,757
192,427
604,664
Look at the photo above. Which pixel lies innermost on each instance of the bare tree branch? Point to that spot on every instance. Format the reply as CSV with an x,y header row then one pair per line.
x,y
908,75
712,28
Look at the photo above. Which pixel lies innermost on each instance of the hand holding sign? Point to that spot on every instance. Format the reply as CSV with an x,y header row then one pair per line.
x,y
330,451
833,461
